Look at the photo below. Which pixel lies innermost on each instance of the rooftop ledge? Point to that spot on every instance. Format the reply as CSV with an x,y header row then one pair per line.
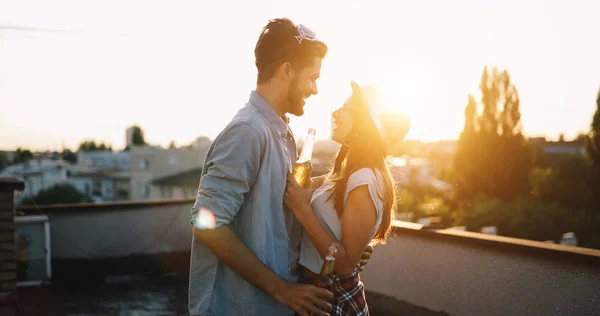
x,y
399,227
571,252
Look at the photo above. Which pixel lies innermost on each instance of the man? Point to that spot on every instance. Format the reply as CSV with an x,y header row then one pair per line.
x,y
246,264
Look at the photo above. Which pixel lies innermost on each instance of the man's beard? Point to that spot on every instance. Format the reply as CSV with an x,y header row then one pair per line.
x,y
295,100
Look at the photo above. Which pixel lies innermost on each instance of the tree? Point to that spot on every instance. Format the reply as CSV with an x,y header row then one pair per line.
x,y
493,157
592,149
22,155
563,182
90,145
57,194
138,136
172,145
523,217
3,161
69,156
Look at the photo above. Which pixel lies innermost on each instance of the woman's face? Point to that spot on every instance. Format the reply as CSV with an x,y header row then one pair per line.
x,y
342,123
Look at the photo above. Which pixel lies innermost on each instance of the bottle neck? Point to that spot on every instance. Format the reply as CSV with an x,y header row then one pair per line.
x,y
328,266
307,149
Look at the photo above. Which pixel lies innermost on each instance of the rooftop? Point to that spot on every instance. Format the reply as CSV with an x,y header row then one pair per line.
x,y
419,271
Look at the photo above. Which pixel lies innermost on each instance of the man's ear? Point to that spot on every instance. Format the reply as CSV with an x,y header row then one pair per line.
x,y
286,71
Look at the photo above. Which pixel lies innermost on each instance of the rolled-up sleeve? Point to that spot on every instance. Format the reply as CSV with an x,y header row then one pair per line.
x,y
230,170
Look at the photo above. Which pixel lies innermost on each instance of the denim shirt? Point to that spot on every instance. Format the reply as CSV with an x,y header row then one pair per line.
x,y
242,184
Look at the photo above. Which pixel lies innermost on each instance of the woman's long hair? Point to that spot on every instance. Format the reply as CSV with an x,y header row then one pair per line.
x,y
364,149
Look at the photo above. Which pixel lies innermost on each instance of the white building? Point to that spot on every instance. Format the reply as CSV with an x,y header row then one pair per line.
x,y
105,159
102,185
39,174
103,175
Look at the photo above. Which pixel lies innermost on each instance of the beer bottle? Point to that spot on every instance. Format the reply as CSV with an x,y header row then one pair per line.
x,y
303,167
324,280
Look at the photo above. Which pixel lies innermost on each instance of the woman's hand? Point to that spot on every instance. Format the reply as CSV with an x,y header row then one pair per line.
x,y
296,198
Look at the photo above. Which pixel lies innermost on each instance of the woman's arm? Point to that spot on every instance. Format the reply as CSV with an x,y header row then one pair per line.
x,y
358,221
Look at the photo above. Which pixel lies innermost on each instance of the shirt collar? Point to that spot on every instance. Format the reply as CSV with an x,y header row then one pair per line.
x,y
281,126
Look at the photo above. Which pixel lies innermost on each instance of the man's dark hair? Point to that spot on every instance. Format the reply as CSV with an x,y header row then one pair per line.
x,y
278,44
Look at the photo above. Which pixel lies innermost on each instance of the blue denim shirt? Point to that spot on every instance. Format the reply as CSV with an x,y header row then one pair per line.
x,y
242,184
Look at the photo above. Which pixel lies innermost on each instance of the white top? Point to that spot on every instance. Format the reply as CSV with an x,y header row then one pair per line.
x,y
326,214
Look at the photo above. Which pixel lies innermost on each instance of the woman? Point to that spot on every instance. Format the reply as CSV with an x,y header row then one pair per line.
x,y
352,207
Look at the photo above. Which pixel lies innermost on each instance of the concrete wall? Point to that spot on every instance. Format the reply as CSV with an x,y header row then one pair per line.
x,y
110,230
464,273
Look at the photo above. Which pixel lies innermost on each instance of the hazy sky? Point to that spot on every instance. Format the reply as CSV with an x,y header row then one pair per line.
x,y
182,69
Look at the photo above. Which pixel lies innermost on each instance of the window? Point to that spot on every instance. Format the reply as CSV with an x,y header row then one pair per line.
x,y
97,188
122,194
166,192
144,190
143,164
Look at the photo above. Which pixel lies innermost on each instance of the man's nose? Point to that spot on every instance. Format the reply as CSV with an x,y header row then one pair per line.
x,y
314,89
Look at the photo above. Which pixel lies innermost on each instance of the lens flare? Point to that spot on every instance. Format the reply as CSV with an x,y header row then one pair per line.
x,y
205,219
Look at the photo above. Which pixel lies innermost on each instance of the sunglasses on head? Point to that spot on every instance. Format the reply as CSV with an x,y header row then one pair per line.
x,y
304,33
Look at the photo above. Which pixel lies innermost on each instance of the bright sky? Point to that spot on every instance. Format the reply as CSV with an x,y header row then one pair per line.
x,y
182,69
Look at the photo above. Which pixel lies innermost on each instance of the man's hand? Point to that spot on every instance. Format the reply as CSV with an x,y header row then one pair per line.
x,y
365,257
304,299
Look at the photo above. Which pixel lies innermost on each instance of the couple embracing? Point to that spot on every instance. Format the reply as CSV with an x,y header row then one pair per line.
x,y
272,235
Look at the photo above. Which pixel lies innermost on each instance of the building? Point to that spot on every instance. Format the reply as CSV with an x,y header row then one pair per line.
x,y
157,173
103,175
180,185
102,185
129,136
201,143
10,155
410,170
105,159
38,174
548,152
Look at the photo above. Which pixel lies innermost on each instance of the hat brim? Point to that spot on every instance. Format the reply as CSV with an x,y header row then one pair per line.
x,y
393,127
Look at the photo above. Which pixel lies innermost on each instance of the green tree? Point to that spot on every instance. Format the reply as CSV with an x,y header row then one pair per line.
x,y
138,136
563,182
90,145
523,217
493,157
592,149
3,161
57,194
22,155
69,156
